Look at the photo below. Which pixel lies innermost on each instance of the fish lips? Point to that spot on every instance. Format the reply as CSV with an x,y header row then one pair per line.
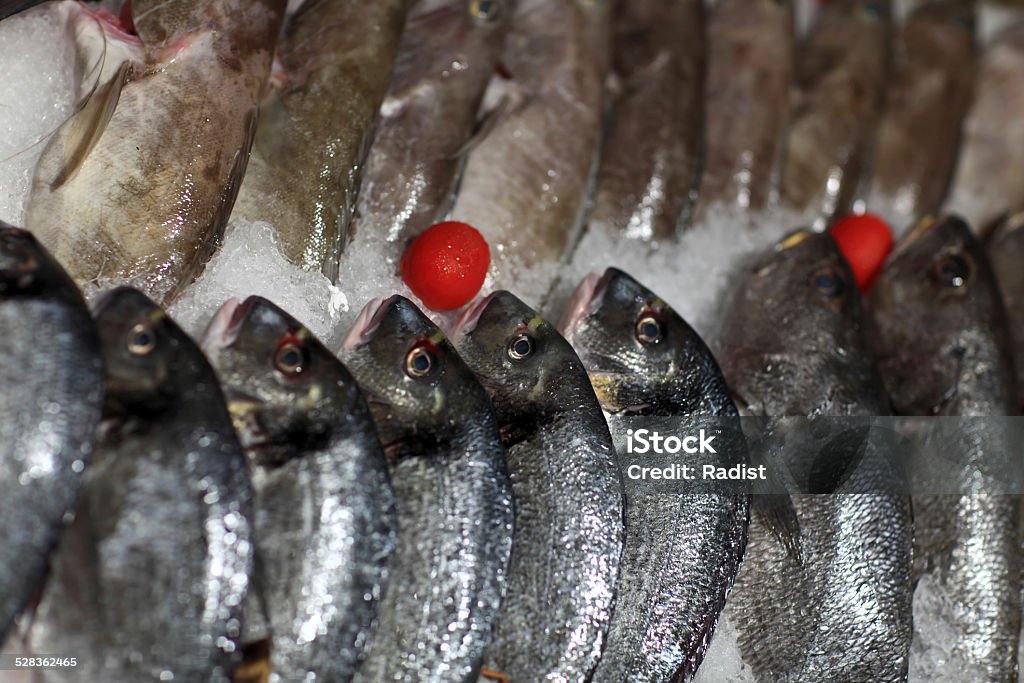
x,y
366,324
223,329
585,301
470,318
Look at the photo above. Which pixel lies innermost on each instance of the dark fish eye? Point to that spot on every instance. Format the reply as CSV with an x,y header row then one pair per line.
x,y
291,358
952,270
419,362
485,10
521,347
649,330
141,339
828,283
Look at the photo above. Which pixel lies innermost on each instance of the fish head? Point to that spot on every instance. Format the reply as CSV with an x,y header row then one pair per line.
x,y
414,381
27,270
286,392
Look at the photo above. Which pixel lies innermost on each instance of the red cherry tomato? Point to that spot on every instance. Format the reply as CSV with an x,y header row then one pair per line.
x,y
865,240
445,266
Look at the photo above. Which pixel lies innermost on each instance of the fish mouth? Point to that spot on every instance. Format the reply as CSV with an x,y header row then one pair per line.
x,y
469,319
585,300
223,329
366,324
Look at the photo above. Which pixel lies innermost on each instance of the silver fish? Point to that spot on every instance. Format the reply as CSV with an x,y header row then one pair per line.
x,y
324,509
51,391
568,529
452,492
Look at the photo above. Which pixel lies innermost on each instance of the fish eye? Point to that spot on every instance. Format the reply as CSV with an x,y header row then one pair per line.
x,y
141,339
419,362
952,270
649,330
828,282
485,10
291,358
521,347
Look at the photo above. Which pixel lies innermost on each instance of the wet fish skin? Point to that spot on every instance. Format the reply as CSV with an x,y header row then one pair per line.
x,y
750,72
324,508
316,126
1005,253
840,83
681,552
568,529
452,491
927,98
447,55
152,574
135,207
649,160
793,345
51,392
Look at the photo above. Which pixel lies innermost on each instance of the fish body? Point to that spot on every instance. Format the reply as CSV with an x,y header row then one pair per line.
x,y
452,493
51,392
138,185
150,579
650,151
316,124
682,551
568,529
1006,253
793,344
323,506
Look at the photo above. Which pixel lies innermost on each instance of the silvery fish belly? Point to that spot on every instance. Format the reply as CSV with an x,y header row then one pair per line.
x,y
149,581
452,494
682,551
568,502
136,187
51,391
324,508
793,344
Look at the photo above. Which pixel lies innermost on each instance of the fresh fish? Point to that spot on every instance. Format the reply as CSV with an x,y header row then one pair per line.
x,y
989,178
650,152
939,328
750,71
149,581
51,391
448,52
840,82
324,509
568,500
927,98
452,492
1006,254
335,60
682,551
793,344
525,183
138,185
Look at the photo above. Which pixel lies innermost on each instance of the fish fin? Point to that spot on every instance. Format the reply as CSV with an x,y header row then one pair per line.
x,y
833,463
89,124
483,127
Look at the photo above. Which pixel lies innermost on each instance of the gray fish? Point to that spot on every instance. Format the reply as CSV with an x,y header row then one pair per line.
x,y
448,52
939,329
927,98
452,493
682,551
650,151
324,509
989,178
138,185
840,82
336,58
1006,253
51,391
750,71
525,183
568,529
149,581
793,344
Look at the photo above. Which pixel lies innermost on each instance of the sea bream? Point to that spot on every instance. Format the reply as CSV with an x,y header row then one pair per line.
x,y
649,160
526,180
793,344
137,186
452,493
568,500
150,579
324,518
333,65
939,329
1006,253
51,392
682,550
428,121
